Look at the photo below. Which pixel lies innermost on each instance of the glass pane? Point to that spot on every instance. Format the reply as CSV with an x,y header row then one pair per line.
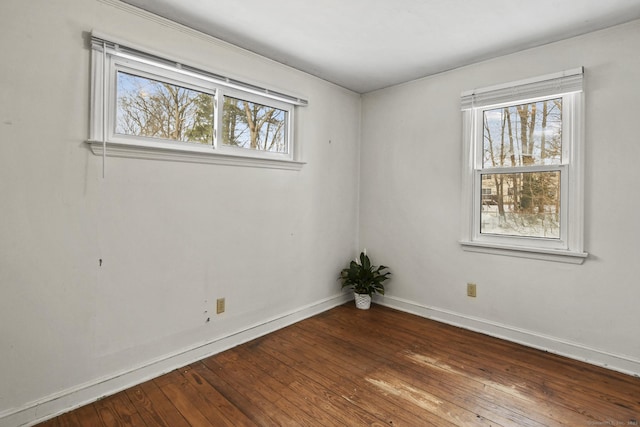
x,y
523,135
254,126
521,204
157,109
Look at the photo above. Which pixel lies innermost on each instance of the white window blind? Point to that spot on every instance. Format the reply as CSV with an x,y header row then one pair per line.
x,y
100,42
552,84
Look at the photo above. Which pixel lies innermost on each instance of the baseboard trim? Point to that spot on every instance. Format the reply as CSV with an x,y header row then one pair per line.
x,y
67,400
617,362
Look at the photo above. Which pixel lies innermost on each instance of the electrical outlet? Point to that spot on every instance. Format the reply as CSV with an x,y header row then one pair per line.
x,y
220,305
471,290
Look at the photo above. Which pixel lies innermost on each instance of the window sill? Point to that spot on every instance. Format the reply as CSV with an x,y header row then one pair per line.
x,y
135,151
526,252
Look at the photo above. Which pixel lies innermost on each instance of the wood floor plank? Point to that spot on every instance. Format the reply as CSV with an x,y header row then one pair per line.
x,y
207,395
407,393
552,384
87,416
259,413
174,387
376,367
349,382
319,402
331,378
238,369
69,419
469,369
154,407
203,397
557,402
254,394
282,386
499,392
437,383
118,411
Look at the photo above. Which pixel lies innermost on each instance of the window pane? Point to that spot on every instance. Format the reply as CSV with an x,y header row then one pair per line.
x,y
523,135
521,204
157,109
254,126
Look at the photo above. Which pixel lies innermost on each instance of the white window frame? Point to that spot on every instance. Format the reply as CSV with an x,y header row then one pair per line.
x,y
109,56
569,246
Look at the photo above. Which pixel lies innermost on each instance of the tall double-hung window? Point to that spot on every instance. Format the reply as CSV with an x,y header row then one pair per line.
x,y
523,168
145,105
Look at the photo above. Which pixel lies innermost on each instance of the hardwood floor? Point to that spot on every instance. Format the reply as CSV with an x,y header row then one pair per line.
x,y
379,367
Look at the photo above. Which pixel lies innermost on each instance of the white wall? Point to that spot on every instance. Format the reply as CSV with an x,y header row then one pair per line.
x,y
411,199
173,236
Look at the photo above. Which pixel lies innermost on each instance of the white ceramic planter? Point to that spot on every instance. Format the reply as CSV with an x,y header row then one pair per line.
x,y
363,301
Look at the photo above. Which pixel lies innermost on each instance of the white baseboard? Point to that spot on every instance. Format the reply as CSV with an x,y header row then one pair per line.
x,y
617,362
66,400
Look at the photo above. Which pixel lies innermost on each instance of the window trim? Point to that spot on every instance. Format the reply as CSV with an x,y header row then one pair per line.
x,y
569,248
180,154
109,56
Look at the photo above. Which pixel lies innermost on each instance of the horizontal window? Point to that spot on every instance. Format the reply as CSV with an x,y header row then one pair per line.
x,y
143,103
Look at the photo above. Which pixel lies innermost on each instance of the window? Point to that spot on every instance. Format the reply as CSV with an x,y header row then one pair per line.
x,y
148,106
523,168
253,126
155,109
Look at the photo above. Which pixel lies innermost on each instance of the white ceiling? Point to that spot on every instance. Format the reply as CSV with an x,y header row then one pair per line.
x,y
364,45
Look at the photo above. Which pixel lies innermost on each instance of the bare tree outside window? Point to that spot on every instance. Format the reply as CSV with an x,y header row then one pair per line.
x,y
522,203
254,126
155,109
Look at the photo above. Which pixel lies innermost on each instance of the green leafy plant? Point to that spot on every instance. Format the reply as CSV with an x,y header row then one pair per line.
x,y
363,277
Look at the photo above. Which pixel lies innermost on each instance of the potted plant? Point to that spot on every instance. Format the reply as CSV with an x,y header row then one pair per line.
x,y
365,279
